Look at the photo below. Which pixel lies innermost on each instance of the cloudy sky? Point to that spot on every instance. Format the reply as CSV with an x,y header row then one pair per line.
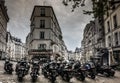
x,y
71,23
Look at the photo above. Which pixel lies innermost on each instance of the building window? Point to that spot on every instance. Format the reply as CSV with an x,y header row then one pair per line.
x,y
108,26
107,14
115,21
119,37
42,35
113,5
116,39
42,23
42,11
42,46
109,41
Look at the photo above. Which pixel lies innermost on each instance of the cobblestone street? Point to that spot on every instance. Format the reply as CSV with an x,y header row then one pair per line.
x,y
5,78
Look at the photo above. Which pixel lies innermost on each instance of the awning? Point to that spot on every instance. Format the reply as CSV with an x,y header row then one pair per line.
x,y
40,52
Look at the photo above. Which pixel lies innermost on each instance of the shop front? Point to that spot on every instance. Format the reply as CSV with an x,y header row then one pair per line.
x,y
42,55
116,54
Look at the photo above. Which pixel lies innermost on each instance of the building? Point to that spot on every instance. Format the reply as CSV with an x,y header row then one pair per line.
x,y
45,37
112,33
89,40
93,39
78,53
71,55
16,50
3,28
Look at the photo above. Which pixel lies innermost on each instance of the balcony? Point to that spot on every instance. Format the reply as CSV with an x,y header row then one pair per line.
x,y
52,43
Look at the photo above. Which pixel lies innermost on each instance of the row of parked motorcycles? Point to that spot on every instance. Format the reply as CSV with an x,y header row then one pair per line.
x,y
67,70
22,69
52,69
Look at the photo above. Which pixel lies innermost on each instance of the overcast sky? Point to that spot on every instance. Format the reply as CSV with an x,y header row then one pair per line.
x,y
71,23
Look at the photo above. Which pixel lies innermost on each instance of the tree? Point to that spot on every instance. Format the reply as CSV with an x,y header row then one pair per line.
x,y
100,7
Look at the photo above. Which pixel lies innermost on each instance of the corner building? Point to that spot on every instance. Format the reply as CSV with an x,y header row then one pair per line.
x,y
45,37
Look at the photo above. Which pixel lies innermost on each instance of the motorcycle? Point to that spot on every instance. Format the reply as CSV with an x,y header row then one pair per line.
x,y
49,71
8,68
21,73
45,70
90,70
27,68
34,75
106,70
79,72
102,65
35,72
67,72
52,75
22,63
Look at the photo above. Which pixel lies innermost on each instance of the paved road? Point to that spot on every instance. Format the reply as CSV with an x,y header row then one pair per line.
x,y
5,78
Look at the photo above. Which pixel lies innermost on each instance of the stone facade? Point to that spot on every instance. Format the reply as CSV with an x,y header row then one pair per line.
x,y
3,28
71,55
93,38
78,54
112,33
45,32
16,50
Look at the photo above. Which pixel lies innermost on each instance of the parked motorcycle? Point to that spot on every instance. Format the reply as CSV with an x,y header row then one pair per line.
x,y
22,69
45,69
21,72
79,71
90,69
22,63
52,75
103,69
8,67
35,71
49,70
67,72
106,70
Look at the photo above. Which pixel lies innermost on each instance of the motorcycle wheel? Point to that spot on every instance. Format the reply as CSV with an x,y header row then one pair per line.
x,y
81,78
66,78
93,76
53,79
20,79
34,79
107,74
45,75
112,73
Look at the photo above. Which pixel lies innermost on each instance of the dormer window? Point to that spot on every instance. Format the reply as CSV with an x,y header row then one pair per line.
x,y
42,11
